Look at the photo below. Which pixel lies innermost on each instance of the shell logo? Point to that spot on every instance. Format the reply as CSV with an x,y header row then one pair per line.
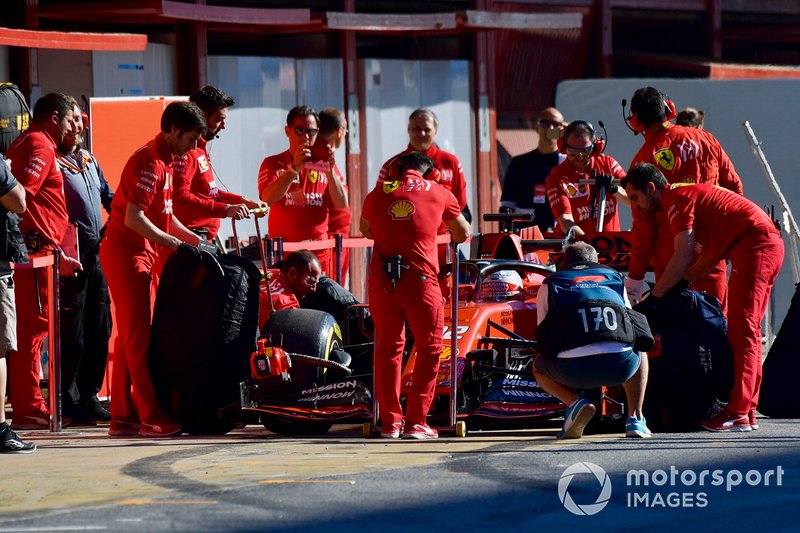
x,y
402,209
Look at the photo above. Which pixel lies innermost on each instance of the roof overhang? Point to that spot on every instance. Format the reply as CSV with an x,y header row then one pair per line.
x,y
170,12
62,40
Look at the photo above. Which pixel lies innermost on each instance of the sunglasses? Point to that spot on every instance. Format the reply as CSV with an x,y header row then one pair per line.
x,y
311,132
580,151
550,124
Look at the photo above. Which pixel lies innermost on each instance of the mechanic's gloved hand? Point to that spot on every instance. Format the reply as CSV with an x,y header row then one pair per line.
x,y
648,306
606,180
186,249
635,289
678,288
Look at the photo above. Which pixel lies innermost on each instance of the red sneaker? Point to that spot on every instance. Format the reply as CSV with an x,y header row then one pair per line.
x,y
420,431
727,422
165,429
392,431
751,416
123,428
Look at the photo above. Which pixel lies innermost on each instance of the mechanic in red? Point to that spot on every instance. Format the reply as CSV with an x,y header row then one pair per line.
x,y
422,128
142,221
575,204
199,203
33,164
403,214
683,155
332,129
298,184
290,280
710,224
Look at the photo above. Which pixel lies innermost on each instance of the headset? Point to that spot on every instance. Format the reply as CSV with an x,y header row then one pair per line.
x,y
395,166
632,121
598,143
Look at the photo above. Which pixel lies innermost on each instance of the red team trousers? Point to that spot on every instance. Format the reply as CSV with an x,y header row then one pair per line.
x,y
756,259
129,280
418,300
32,326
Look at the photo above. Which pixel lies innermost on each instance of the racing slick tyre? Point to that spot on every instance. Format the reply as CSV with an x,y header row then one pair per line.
x,y
307,332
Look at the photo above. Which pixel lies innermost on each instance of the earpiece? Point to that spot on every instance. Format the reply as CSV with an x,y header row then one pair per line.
x,y
393,169
433,174
669,109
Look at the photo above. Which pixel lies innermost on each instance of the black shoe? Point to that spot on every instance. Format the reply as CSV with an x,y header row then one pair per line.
x,y
11,443
94,412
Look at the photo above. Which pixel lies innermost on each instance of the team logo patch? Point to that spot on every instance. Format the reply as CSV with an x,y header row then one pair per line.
x,y
202,163
313,176
575,189
665,158
402,209
390,186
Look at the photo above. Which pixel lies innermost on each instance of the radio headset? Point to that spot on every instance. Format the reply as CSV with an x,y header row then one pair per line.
x,y
598,143
633,122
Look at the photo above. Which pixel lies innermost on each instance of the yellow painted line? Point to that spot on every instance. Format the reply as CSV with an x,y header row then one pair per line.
x,y
282,481
166,502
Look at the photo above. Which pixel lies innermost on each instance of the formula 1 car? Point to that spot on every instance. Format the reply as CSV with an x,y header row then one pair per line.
x,y
495,328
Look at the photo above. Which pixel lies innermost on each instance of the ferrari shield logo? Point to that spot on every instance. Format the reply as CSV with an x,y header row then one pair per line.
x,y
665,158
390,186
313,176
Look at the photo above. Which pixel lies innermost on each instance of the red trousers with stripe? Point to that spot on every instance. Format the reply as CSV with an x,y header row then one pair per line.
x,y
32,327
756,259
418,300
129,278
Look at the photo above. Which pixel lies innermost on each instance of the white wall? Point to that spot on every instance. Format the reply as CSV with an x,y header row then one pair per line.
x,y
395,88
771,106
148,73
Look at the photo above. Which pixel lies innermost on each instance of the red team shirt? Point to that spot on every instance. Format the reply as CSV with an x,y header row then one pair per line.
x,y
33,164
718,216
566,196
146,182
404,216
302,213
198,202
683,155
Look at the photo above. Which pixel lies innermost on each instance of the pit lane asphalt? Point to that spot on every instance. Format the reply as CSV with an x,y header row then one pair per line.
x,y
251,480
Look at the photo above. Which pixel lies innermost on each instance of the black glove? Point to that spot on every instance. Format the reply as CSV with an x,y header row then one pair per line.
x,y
186,249
648,306
678,288
606,180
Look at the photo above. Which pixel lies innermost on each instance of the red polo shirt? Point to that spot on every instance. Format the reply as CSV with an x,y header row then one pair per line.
x,y
146,182
302,213
404,218
718,216
567,196
33,163
198,202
